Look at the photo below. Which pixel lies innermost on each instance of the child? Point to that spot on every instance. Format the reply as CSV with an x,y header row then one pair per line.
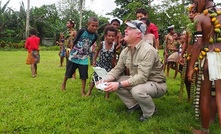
x,y
32,45
78,57
107,53
119,38
69,35
149,37
173,49
62,51
143,13
92,51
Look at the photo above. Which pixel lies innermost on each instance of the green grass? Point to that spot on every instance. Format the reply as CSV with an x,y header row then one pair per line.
x,y
37,105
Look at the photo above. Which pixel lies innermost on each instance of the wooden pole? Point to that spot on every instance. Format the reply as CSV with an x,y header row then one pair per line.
x,y
81,12
27,19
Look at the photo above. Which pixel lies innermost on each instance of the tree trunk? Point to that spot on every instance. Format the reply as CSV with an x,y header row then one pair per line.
x,y
27,19
81,12
183,2
149,2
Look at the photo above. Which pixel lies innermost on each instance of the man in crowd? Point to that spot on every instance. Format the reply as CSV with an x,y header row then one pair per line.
x,y
145,79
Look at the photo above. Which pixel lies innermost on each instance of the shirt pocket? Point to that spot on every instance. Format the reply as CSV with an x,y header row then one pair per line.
x,y
127,62
134,67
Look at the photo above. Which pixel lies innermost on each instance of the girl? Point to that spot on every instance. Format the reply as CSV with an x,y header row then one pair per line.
x,y
149,37
107,54
32,45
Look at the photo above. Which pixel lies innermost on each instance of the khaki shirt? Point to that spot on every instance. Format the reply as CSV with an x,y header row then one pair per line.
x,y
144,64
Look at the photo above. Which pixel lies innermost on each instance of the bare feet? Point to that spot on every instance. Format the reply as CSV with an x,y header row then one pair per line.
x,y
83,94
63,86
34,75
88,93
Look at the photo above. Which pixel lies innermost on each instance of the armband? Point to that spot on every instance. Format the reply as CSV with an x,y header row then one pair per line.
x,y
197,35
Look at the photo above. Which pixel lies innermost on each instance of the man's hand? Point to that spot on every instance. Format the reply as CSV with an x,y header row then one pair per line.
x,y
111,86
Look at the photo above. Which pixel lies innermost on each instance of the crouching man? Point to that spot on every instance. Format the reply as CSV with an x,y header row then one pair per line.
x,y
145,79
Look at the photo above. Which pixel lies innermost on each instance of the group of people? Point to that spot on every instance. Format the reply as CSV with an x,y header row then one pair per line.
x,y
137,73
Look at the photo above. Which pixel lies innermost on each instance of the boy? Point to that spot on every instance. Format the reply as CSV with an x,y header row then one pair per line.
x,y
32,45
143,13
78,57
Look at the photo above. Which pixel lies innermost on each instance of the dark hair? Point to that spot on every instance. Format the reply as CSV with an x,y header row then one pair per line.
x,y
170,29
110,28
142,10
178,34
71,22
147,21
93,19
33,32
115,20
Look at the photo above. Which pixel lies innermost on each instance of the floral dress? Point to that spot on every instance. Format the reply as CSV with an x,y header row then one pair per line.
x,y
105,58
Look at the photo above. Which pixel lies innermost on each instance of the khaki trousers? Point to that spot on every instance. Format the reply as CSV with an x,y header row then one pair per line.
x,y
142,94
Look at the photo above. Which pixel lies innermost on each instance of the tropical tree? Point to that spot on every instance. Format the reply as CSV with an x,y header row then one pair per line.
x,y
4,15
74,5
46,20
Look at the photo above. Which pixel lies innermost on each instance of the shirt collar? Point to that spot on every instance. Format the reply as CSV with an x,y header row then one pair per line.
x,y
137,46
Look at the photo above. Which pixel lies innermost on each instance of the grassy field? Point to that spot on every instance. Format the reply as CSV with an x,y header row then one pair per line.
x,y
37,105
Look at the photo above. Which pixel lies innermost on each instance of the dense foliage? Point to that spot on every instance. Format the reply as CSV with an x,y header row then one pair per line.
x,y
49,20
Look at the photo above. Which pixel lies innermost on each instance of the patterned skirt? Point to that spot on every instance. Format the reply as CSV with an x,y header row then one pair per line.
x,y
33,57
173,57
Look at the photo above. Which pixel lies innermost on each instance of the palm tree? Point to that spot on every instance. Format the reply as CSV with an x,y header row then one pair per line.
x,y
3,15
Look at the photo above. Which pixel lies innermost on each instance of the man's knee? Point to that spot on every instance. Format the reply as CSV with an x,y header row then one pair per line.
x,y
137,92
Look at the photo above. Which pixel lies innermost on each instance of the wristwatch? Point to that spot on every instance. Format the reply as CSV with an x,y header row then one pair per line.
x,y
119,85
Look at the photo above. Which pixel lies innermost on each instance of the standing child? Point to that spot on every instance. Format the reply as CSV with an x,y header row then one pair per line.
x,y
62,52
107,54
119,38
70,35
32,45
78,57
149,37
92,52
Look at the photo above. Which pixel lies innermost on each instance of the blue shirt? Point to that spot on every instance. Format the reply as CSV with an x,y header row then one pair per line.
x,y
82,43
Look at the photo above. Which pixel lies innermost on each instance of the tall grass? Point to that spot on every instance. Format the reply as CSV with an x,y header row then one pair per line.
x,y
37,105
